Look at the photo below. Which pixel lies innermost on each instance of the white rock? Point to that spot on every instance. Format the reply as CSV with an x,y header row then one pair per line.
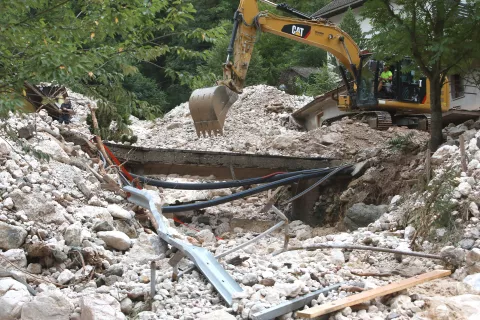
x,y
118,212
15,256
35,268
473,207
13,295
464,188
11,237
289,289
206,236
395,199
115,239
409,232
8,203
65,276
217,315
51,305
73,235
473,280
100,307
337,257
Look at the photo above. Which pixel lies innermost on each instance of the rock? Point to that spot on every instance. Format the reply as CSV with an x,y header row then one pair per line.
x,y
102,226
206,236
8,203
73,235
118,212
114,270
126,226
11,237
126,306
401,302
26,132
337,257
473,261
217,315
146,248
467,244
53,148
4,149
473,281
454,256
330,138
13,296
35,268
50,305
93,212
409,232
115,239
174,125
474,209
38,208
455,132
250,279
289,289
395,199
65,276
268,282
15,256
465,306
464,188
361,215
100,307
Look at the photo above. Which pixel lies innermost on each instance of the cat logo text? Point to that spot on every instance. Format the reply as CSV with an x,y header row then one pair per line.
x,y
299,30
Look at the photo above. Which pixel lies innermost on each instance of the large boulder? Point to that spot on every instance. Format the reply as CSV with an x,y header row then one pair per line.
x,y
15,256
146,248
53,148
115,239
50,305
73,235
361,215
465,306
93,212
38,208
100,307
13,295
11,237
473,261
473,281
118,212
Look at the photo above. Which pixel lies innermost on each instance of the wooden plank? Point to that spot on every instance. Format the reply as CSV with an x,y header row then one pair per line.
x,y
371,294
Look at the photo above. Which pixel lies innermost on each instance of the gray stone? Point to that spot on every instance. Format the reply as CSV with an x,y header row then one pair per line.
x,y
361,215
53,148
453,256
13,295
65,276
455,132
73,235
473,261
4,149
35,268
126,305
11,237
50,305
467,244
26,132
102,226
38,208
93,212
250,279
115,239
116,270
100,307
127,227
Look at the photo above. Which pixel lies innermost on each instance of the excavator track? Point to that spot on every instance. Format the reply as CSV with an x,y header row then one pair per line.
x,y
379,120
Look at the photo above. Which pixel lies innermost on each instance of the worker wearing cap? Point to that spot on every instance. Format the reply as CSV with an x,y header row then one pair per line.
x,y
385,78
66,111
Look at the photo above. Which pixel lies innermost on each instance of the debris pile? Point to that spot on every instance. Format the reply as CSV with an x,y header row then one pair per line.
x,y
72,246
260,123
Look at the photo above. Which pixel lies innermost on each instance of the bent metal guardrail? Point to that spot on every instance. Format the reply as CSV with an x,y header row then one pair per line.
x,y
201,257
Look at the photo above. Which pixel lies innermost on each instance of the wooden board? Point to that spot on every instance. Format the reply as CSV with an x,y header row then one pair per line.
x,y
371,294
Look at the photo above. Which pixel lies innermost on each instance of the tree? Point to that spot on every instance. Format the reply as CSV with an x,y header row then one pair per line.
x,y
352,27
91,47
441,36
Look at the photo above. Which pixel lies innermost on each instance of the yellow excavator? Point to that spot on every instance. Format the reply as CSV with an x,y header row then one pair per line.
x,y
404,102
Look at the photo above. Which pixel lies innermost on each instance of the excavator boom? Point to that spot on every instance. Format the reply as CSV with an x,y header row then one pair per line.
x,y
209,106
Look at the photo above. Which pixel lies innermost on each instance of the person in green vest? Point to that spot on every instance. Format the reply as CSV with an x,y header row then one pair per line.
x,y
385,79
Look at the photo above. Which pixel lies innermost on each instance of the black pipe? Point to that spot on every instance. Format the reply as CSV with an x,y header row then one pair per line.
x,y
221,185
243,194
236,21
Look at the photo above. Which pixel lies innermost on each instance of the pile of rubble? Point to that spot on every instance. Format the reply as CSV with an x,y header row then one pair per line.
x,y
260,123
72,246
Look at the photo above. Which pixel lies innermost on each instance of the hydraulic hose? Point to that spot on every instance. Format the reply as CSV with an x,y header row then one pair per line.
x,y
243,194
227,184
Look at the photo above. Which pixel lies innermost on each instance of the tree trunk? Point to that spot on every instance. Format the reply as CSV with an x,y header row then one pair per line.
x,y
436,138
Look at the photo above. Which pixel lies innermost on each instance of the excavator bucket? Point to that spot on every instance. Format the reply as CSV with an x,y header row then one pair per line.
x,y
209,107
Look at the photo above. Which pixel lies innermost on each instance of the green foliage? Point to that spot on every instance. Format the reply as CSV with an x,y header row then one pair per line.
x,y
92,47
352,27
402,143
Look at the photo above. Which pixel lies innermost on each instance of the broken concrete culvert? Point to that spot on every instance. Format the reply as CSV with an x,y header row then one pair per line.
x,y
74,248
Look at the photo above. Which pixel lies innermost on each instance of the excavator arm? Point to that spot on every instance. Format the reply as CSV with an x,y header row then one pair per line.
x,y
208,106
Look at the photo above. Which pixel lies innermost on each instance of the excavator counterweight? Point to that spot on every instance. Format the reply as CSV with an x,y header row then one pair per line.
x,y
209,107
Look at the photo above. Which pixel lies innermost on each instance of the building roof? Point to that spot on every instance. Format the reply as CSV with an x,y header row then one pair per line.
x,y
304,72
337,6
